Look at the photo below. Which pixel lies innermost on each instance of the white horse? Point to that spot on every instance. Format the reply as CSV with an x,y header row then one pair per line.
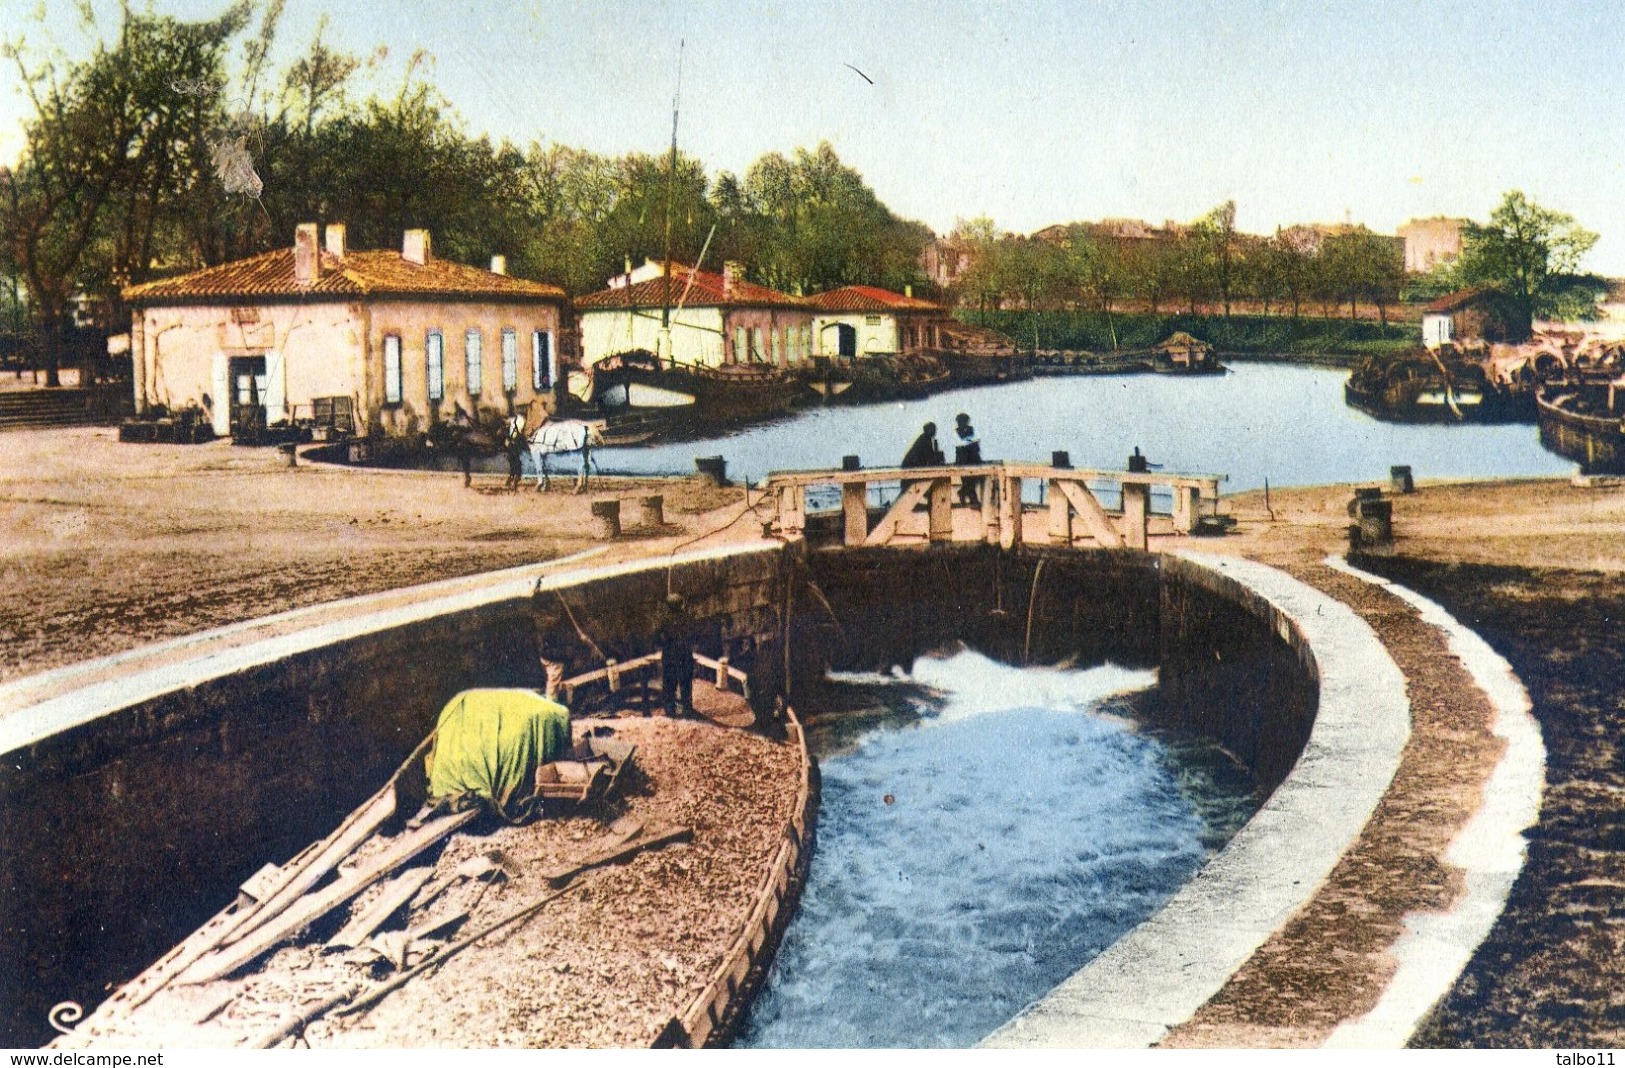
x,y
552,436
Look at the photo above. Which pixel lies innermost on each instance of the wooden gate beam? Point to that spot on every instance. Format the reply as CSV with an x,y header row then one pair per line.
x,y
1093,515
904,506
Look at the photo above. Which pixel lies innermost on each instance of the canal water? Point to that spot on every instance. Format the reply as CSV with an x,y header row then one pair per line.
x,y
1284,423
998,829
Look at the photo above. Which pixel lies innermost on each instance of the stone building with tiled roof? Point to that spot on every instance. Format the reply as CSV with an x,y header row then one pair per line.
x,y
1459,317
715,319
870,321
402,338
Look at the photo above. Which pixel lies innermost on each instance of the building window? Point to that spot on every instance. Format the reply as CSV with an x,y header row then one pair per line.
x,y
473,349
510,360
871,320
772,345
392,368
541,360
741,346
756,343
434,349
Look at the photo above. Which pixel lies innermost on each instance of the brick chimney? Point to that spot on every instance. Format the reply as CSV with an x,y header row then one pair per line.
x,y
499,265
307,260
416,247
335,240
730,277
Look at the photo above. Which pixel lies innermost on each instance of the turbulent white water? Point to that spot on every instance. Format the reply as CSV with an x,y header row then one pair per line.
x,y
969,860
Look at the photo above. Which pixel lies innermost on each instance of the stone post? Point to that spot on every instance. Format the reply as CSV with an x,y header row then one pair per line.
x,y
714,468
606,520
652,511
1373,529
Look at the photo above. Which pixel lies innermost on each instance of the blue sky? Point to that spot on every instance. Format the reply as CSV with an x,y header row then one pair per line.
x,y
1033,113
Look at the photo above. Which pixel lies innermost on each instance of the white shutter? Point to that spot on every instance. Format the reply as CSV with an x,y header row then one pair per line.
x,y
276,386
221,397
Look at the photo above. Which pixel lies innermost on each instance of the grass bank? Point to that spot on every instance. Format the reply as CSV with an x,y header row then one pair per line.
x,y
1345,341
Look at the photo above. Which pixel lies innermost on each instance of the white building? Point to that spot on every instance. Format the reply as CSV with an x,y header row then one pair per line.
x,y
715,319
870,321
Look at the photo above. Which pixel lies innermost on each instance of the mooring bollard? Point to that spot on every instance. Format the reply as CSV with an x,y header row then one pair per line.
x,y
612,672
851,463
1361,495
292,449
713,467
606,519
1060,458
722,672
652,511
1373,528
1399,479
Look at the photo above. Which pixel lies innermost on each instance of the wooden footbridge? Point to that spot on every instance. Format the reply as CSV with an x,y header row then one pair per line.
x,y
1110,509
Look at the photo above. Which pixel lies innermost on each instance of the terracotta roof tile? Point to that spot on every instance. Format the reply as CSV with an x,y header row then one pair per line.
x,y
359,274
869,299
706,292
1454,301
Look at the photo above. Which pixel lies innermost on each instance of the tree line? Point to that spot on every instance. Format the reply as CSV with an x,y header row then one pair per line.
x,y
1526,261
1208,263
174,146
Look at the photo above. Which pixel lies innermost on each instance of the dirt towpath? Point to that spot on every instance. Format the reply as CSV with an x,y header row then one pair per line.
x,y
107,546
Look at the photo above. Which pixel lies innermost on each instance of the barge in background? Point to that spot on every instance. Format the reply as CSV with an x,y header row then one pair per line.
x,y
1584,422
1421,390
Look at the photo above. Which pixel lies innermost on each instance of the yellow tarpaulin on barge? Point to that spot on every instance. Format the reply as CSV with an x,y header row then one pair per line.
x,y
490,742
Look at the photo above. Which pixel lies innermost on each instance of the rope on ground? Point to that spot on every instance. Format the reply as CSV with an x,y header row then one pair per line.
x,y
680,546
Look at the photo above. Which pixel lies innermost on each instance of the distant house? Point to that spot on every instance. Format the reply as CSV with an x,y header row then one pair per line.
x,y
870,321
945,261
1122,231
398,339
715,319
1458,317
1431,242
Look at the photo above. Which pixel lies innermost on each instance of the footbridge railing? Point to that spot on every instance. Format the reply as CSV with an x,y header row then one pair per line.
x,y
985,503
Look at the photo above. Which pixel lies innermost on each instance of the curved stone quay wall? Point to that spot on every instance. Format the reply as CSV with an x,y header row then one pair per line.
x,y
133,805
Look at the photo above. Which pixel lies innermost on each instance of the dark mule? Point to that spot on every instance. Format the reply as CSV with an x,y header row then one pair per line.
x,y
464,437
